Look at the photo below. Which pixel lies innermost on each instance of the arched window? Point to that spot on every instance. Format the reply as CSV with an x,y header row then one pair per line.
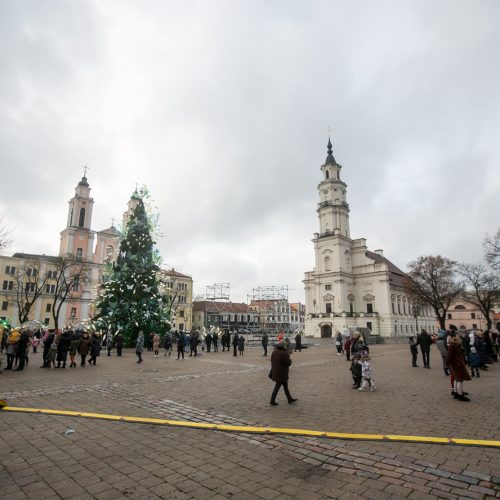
x,y
328,263
79,254
110,251
460,306
81,220
327,174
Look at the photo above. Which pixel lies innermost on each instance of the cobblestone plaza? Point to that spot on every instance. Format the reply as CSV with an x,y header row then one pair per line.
x,y
107,460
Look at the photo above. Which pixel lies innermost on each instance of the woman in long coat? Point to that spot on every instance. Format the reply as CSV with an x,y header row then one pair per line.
x,y
241,344
455,360
156,344
83,347
280,363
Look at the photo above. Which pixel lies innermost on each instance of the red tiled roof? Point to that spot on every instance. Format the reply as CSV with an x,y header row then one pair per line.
x,y
223,307
173,272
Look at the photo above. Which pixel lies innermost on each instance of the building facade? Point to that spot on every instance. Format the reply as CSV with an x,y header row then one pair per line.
x,y
351,287
464,314
37,274
228,316
179,287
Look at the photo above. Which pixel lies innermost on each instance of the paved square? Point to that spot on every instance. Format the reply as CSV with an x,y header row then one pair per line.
x,y
107,460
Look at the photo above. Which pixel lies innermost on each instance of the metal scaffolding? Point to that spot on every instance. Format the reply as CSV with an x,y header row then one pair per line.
x,y
271,302
219,295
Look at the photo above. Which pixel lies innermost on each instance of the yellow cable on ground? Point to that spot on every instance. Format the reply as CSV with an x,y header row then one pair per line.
x,y
257,430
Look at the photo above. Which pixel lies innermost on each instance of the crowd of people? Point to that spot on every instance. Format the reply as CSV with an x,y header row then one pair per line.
x,y
56,347
459,351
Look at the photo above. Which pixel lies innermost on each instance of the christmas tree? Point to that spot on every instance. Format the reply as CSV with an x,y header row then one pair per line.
x,y
130,300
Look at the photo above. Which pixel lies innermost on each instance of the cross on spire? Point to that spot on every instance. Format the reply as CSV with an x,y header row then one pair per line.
x,y
85,168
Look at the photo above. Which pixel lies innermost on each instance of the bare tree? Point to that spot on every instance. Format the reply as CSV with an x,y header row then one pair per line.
x,y
492,250
5,235
432,280
69,279
484,287
28,287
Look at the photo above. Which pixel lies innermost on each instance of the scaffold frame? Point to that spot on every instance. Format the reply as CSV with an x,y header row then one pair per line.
x,y
272,303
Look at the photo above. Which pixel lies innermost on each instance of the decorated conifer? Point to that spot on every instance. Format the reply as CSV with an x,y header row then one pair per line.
x,y
130,300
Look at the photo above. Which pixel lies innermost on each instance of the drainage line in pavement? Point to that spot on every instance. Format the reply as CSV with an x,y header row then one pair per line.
x,y
258,430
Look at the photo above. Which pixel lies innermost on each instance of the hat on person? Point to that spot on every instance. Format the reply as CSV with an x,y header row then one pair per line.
x,y
281,343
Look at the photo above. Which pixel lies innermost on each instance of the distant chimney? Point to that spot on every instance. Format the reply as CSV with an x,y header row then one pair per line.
x,y
380,252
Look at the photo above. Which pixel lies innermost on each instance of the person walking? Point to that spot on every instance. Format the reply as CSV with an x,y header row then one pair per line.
x,y
347,348
264,341
180,345
22,347
83,347
338,343
280,364
63,348
109,342
195,340
139,346
414,352
95,348
424,340
73,346
298,342
167,344
208,341
119,344
455,360
235,343
442,347
47,341
156,344
241,344
215,341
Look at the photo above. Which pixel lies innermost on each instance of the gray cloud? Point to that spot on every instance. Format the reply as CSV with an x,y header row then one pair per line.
x,y
221,109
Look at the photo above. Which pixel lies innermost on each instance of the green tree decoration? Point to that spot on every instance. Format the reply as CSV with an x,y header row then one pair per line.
x,y
130,299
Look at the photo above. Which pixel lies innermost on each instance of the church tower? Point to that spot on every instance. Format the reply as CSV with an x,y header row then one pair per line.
x,y
77,239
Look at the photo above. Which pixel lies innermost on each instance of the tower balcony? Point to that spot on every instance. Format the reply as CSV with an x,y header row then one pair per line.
x,y
329,203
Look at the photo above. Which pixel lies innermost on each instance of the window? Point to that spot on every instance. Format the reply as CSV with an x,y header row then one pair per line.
x,y
50,289
46,321
5,305
351,308
181,314
369,308
31,272
449,316
399,308
369,325
51,275
460,306
30,287
8,285
474,326
328,287
472,315
404,308
393,309
327,174
401,328
406,328
79,254
76,285
395,328
81,220
73,312
48,308
328,265
10,270
328,307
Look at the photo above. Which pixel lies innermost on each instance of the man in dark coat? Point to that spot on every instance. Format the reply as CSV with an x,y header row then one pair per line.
x,y
424,340
265,341
235,343
208,341
47,343
298,343
280,362
119,344
22,346
215,341
63,348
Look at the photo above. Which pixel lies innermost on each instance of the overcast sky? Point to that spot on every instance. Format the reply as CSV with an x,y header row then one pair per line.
x,y
222,107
